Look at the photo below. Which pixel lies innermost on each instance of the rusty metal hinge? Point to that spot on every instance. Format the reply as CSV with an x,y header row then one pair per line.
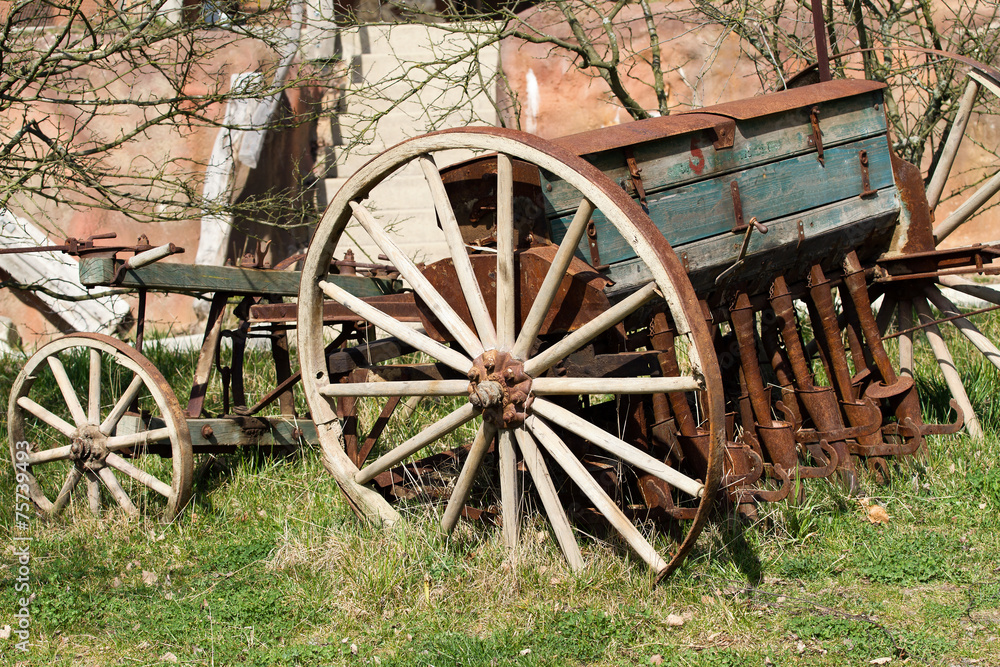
x,y
866,185
636,174
595,254
740,225
817,137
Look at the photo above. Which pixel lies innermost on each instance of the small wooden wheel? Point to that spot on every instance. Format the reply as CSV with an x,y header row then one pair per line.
x,y
494,357
56,440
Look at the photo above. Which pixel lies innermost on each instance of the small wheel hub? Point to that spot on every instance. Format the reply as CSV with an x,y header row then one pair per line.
x,y
90,447
499,387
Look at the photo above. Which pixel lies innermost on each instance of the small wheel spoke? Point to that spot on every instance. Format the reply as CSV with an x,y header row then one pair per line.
x,y
65,493
947,365
58,423
394,327
595,435
509,495
117,442
460,494
550,499
635,385
553,279
94,391
438,429
906,338
506,280
410,388
465,336
574,341
117,492
108,425
66,388
605,505
48,455
459,255
975,336
93,493
141,476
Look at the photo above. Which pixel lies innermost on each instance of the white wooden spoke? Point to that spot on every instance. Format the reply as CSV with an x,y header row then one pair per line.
x,y
955,135
968,208
58,423
605,505
67,390
463,485
117,492
459,255
429,434
544,386
509,493
141,476
121,405
574,341
553,279
616,446
550,499
117,442
983,292
906,339
506,280
975,336
48,455
465,336
65,493
408,388
947,365
94,390
400,330
93,493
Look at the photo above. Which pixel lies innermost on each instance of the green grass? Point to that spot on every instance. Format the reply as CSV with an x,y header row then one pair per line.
x,y
269,566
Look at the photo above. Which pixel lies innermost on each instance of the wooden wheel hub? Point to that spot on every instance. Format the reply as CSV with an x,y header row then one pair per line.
x,y
499,387
90,447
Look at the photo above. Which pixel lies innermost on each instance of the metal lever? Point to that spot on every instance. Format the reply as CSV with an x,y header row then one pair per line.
x,y
753,224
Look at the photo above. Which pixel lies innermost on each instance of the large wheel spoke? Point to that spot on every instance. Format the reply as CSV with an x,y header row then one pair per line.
x,y
655,385
400,330
553,279
117,492
574,341
121,405
94,390
48,455
593,434
975,336
550,499
509,494
58,423
459,256
605,505
117,442
68,393
906,338
463,485
65,493
465,336
438,429
93,493
506,280
409,388
141,476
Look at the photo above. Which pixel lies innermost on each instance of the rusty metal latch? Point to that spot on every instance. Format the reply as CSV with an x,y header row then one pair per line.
x,y
739,225
866,186
636,175
817,137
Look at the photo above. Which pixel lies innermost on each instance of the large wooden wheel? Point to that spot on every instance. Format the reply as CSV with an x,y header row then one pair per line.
x,y
140,461
494,359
